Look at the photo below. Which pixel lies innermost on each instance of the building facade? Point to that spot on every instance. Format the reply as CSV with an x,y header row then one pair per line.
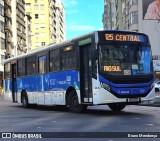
x,y
47,23
18,27
133,19
112,16
2,42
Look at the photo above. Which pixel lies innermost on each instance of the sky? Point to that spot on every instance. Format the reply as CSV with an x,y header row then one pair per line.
x,y
82,16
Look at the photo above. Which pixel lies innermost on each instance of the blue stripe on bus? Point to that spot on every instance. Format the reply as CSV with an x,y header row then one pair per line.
x,y
47,82
125,89
101,79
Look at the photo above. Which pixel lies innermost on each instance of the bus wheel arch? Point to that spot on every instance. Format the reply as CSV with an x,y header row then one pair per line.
x,y
69,89
73,102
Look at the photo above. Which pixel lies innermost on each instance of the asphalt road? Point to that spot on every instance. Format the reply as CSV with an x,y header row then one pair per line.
x,y
15,118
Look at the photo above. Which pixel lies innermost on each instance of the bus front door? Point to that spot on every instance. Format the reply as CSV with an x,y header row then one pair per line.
x,y
86,74
14,83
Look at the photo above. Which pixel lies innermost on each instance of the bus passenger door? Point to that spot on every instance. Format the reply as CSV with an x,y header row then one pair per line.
x,y
14,83
86,73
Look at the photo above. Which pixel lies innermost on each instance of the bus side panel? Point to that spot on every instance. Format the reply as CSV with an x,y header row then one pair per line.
x,y
48,89
57,83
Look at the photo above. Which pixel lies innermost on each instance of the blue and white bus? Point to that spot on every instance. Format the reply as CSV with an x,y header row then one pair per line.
x,y
111,68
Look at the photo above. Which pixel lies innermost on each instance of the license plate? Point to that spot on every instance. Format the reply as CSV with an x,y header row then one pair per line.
x,y
133,99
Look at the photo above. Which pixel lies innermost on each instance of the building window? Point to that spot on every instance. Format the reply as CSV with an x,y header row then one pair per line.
x,y
36,35
36,16
43,35
2,43
133,2
42,6
2,26
134,18
41,16
28,6
37,44
36,7
127,8
42,25
43,43
1,10
2,59
36,25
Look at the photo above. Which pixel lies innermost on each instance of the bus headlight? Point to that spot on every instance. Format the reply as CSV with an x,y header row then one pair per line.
x,y
105,86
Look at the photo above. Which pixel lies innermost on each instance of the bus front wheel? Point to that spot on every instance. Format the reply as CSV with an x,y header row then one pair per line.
x,y
73,103
116,106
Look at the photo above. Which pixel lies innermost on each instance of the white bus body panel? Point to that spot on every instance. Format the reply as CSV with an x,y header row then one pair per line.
x,y
150,97
102,96
47,98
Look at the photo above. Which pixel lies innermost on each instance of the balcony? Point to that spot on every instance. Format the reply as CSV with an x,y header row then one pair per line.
x,y
8,26
21,8
7,2
8,13
19,20
9,38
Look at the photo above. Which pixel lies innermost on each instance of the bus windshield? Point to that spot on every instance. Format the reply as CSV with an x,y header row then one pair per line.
x,y
125,59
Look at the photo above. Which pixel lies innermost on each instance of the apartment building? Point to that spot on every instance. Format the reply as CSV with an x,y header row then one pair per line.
x,y
133,19
47,23
18,27
2,41
130,15
112,16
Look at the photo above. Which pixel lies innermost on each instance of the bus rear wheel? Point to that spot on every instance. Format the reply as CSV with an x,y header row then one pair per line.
x,y
116,106
25,101
73,103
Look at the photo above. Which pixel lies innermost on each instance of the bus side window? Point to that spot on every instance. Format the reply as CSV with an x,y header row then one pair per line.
x,y
54,63
42,65
30,64
68,60
21,67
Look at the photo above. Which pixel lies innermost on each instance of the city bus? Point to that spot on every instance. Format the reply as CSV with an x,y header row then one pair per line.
x,y
105,67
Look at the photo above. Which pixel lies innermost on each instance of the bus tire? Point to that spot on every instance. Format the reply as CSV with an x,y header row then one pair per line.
x,y
74,106
116,106
25,101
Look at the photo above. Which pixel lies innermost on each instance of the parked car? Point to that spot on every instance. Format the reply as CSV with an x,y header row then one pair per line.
x,y
157,92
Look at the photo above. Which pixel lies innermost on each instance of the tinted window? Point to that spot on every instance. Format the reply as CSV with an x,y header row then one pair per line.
x,y
31,65
21,67
54,63
68,60
42,65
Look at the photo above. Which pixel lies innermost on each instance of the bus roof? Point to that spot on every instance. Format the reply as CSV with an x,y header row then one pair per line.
x,y
54,45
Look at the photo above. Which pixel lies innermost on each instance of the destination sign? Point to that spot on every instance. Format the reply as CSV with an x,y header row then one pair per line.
x,y
124,37
111,68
